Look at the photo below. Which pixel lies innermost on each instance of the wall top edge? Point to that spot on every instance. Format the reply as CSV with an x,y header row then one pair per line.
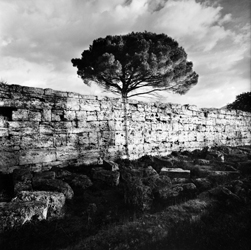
x,y
33,91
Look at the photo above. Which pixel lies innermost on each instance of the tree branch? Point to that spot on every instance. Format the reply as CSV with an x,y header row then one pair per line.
x,y
144,93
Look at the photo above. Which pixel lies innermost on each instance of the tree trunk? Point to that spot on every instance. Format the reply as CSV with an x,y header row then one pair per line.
x,y
124,99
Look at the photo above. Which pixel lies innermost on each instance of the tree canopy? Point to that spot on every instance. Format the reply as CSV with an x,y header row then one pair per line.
x,y
142,60
242,102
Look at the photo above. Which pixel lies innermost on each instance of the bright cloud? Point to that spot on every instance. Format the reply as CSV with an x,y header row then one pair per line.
x,y
39,39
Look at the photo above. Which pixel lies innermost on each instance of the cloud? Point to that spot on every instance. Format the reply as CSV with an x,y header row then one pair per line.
x,y
39,39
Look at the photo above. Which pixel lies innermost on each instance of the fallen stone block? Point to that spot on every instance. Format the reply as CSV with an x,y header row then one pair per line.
x,y
201,162
22,180
80,181
149,171
201,171
110,165
175,172
107,176
162,162
138,195
17,213
45,175
53,185
202,184
156,182
223,194
219,177
54,200
215,155
131,173
61,173
179,180
184,189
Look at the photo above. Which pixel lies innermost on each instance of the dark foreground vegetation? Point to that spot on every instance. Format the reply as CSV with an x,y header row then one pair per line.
x,y
215,215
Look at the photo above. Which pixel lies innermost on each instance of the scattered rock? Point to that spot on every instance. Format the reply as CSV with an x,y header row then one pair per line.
x,y
219,177
183,189
202,184
138,195
22,175
107,176
81,181
22,180
175,172
50,175
53,185
215,155
179,180
149,171
201,162
155,182
202,170
14,214
21,186
54,200
229,168
61,173
110,165
160,162
223,193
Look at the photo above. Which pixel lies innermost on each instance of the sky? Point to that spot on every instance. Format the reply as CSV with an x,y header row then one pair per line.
x,y
38,39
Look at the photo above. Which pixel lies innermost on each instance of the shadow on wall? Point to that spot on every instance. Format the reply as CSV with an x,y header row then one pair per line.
x,y
9,157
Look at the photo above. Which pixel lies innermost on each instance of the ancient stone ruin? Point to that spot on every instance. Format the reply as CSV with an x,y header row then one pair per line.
x,y
42,128
43,131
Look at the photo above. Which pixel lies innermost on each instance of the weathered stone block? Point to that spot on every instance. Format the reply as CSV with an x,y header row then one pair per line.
x,y
15,214
88,156
57,115
80,181
37,156
53,185
8,159
69,115
4,132
138,116
20,115
175,172
81,115
46,128
72,104
23,128
54,200
36,141
45,175
46,115
91,116
66,153
89,105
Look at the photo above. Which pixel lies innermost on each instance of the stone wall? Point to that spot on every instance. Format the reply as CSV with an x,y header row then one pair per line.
x,y
41,128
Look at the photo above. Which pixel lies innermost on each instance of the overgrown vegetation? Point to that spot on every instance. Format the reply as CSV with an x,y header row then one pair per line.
x,y
242,102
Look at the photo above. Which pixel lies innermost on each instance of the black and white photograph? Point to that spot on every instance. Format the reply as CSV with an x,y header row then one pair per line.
x,y
125,124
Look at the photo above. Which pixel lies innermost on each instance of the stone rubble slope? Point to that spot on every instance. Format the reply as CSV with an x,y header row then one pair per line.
x,y
148,180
